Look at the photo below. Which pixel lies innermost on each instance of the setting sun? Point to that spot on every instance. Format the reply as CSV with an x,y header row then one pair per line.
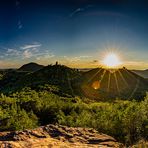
x,y
111,60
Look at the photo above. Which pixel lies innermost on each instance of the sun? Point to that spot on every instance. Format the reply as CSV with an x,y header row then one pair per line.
x,y
111,60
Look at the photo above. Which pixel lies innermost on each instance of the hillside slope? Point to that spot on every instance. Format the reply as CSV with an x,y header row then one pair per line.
x,y
56,75
102,83
59,76
53,136
142,73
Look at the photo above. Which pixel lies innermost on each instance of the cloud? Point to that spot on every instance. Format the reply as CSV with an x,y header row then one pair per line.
x,y
36,54
95,61
80,10
78,58
12,52
76,11
20,25
27,54
30,52
81,57
45,57
49,56
30,46
33,51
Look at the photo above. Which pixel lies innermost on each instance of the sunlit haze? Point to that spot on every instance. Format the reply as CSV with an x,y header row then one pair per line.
x,y
111,61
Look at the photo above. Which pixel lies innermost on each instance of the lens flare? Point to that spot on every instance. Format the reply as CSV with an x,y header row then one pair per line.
x,y
96,85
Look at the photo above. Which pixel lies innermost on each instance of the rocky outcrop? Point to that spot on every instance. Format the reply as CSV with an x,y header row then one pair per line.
x,y
57,136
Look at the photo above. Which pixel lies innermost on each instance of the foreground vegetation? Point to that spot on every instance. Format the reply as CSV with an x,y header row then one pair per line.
x,y
127,121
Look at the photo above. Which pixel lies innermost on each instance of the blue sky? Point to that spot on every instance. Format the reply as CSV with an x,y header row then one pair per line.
x,y
75,32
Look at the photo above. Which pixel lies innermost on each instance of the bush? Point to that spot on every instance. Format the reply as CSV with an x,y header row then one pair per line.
x,y
127,121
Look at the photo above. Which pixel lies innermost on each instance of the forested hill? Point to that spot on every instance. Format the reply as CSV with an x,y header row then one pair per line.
x,y
109,83
99,84
59,77
31,67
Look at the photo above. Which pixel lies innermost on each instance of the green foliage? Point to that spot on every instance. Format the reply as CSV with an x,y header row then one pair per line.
x,y
20,120
14,118
127,121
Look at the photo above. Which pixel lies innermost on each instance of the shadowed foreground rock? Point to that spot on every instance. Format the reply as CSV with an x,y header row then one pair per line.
x,y
57,136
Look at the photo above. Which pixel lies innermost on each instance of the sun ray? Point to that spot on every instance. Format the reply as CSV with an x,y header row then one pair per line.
x,y
102,76
130,73
123,78
108,82
115,76
137,84
94,75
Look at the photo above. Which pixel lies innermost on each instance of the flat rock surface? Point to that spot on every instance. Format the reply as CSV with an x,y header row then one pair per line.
x,y
57,136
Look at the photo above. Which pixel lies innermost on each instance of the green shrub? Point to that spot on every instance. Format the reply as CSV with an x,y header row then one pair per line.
x,y
127,121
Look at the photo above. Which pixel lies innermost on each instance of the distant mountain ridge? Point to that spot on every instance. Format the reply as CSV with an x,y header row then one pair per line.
x,y
31,67
143,73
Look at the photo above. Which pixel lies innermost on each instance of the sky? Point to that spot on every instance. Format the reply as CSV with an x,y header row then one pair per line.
x,y
77,33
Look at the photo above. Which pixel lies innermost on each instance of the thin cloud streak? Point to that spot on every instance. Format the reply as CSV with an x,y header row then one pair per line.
x,y
80,10
20,25
76,11
30,46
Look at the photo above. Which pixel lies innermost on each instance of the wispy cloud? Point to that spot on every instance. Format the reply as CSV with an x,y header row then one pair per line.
x,y
33,51
45,57
30,46
76,11
27,54
77,58
14,57
20,25
95,61
85,56
12,52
